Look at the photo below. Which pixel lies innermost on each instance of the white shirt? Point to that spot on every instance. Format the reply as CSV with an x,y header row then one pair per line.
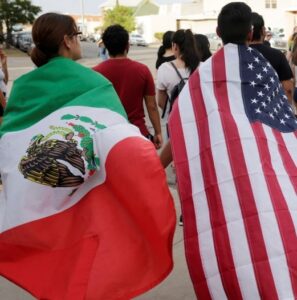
x,y
167,77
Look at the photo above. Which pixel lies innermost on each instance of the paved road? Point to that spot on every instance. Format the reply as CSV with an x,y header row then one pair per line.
x,y
177,286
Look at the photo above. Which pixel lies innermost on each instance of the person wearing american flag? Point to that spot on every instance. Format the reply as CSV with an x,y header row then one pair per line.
x,y
233,137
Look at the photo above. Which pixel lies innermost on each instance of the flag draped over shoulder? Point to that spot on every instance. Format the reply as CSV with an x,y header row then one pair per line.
x,y
233,136
85,211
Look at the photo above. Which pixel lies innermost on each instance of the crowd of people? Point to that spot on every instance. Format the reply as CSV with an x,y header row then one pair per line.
x,y
179,57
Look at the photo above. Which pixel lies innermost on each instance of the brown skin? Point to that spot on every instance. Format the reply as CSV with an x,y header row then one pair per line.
x,y
151,105
2,103
3,60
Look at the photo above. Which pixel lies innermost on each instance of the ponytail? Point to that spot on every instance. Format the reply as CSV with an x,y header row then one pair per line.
x,y
186,42
161,51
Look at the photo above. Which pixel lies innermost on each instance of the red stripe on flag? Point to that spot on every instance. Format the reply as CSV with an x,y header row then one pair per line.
x,y
242,183
283,216
115,243
217,216
185,191
286,158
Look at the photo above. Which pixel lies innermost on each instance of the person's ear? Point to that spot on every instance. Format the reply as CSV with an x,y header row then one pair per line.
x,y
67,41
218,32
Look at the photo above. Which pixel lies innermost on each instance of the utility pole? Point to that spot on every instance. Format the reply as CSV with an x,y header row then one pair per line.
x,y
83,17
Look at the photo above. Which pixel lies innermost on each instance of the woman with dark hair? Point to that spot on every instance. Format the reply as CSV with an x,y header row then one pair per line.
x,y
202,44
70,153
185,63
165,53
170,74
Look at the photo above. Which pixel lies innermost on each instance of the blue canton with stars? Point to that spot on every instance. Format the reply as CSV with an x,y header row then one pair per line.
x,y
263,95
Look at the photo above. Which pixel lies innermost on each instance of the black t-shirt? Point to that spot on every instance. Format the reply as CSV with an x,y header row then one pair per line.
x,y
164,59
277,59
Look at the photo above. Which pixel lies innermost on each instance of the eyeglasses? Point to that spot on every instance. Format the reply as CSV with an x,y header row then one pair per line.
x,y
78,33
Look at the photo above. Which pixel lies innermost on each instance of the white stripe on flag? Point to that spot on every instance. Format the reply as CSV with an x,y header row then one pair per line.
x,y
205,238
291,144
232,210
280,171
32,201
269,225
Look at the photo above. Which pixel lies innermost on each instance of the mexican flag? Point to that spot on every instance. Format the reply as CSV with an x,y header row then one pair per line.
x,y
85,211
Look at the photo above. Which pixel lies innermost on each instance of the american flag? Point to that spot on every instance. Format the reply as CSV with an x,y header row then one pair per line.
x,y
233,136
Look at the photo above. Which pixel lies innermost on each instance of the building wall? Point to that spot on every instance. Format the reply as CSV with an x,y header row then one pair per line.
x,y
149,25
274,17
198,26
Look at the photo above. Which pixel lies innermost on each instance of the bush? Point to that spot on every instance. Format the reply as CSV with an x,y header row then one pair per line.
x,y
159,36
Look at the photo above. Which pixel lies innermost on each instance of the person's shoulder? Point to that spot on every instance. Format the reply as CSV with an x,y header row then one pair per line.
x,y
137,64
102,66
165,66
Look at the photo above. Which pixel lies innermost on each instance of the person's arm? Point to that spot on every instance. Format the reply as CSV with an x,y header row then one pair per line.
x,y
152,109
161,98
288,86
2,100
166,155
2,103
286,77
3,58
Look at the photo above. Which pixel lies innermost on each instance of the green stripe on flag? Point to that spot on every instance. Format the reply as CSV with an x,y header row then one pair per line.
x,y
60,83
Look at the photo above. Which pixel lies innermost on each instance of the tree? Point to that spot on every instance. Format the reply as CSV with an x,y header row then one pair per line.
x,y
14,12
121,15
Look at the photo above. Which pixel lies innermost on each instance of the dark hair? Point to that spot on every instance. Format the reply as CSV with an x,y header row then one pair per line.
x,y
48,32
166,43
202,44
258,24
185,41
115,39
294,50
234,22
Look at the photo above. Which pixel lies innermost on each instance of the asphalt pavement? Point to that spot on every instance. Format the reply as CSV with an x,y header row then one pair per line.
x,y
177,286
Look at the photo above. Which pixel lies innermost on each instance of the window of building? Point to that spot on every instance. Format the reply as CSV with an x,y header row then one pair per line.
x,y
270,3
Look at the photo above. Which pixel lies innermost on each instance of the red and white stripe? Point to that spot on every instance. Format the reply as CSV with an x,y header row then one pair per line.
x,y
238,186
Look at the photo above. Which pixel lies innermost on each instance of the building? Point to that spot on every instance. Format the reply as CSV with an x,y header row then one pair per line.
x,y
88,24
154,16
278,15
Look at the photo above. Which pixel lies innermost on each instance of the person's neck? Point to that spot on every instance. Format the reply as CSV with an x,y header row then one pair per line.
x,y
260,41
179,62
119,56
168,52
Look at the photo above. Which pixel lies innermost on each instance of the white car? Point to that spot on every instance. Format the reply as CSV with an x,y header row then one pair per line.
x,y
137,40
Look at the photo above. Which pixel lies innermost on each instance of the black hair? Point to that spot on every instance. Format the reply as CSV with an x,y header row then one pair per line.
x,y
258,24
166,43
48,32
115,39
234,22
202,44
185,41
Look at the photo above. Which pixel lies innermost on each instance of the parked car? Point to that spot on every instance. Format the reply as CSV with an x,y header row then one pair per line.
x,y
137,40
25,41
214,41
279,42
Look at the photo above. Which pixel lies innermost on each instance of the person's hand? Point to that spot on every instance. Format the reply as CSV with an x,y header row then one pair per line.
x,y
158,140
